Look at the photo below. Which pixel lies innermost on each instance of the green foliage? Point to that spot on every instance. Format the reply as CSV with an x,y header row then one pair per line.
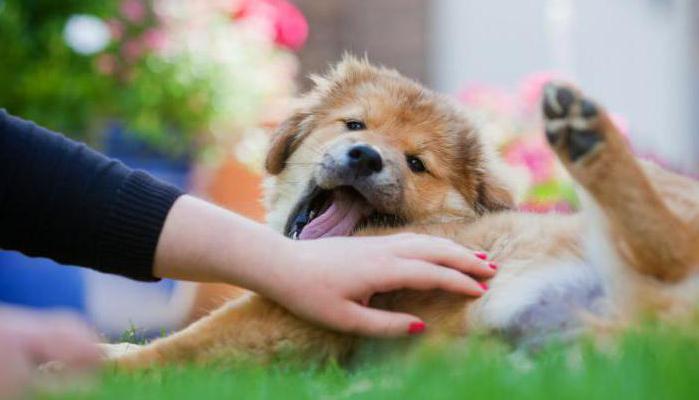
x,y
42,79
554,190
653,363
164,105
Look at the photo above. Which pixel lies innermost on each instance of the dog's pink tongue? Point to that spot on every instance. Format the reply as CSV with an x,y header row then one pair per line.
x,y
339,219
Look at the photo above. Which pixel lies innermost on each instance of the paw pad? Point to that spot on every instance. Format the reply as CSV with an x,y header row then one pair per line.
x,y
557,101
570,120
581,142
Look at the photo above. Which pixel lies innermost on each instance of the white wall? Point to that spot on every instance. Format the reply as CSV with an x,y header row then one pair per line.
x,y
633,55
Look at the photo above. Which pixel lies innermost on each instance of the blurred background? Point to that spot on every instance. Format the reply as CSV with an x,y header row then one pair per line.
x,y
191,91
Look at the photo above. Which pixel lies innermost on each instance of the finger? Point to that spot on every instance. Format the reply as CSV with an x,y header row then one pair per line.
x,y
373,322
449,254
421,275
67,340
406,236
15,368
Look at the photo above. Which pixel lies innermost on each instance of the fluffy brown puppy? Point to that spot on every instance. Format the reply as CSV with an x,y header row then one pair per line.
x,y
369,152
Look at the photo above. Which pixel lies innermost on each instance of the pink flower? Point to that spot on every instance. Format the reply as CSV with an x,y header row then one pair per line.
x,y
133,10
533,153
563,207
132,50
154,39
290,26
532,87
488,97
106,64
116,29
543,207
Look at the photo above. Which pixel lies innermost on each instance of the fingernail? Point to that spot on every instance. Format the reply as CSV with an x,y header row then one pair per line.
x,y
416,328
481,255
483,285
493,266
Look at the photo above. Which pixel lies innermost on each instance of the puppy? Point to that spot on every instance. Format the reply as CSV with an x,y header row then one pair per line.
x,y
369,152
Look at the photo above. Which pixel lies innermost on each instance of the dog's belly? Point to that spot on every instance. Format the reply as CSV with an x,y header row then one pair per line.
x,y
540,290
546,303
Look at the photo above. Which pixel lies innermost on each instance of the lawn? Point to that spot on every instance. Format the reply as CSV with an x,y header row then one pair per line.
x,y
650,363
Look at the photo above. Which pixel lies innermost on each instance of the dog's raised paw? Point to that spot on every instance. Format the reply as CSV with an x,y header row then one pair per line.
x,y
571,122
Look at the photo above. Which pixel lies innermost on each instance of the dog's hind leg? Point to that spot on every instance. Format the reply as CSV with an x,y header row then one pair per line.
x,y
648,236
247,329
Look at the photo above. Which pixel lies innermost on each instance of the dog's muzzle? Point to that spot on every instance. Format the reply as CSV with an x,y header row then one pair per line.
x,y
352,186
362,167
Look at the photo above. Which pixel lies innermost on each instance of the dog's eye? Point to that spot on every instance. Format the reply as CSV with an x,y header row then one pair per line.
x,y
355,125
415,164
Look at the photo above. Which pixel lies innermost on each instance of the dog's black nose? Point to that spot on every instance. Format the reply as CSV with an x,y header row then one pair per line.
x,y
364,160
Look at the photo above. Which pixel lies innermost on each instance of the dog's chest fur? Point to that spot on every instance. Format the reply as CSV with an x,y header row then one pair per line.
x,y
541,288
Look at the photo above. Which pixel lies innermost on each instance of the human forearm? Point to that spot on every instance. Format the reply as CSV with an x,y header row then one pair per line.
x,y
205,243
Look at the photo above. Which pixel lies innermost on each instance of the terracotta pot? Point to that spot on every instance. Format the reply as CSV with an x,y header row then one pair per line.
x,y
234,186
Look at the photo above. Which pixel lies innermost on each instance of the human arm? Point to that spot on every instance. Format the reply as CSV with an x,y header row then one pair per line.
x,y
326,281
62,200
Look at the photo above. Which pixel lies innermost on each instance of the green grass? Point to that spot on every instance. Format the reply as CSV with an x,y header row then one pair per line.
x,y
653,363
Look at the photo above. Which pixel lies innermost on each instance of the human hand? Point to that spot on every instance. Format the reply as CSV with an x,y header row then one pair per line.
x,y
327,281
29,339
330,281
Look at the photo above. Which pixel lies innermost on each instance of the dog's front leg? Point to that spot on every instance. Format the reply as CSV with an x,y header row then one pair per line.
x,y
250,328
646,251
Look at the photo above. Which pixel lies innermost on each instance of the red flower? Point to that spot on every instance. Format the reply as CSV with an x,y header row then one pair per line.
x,y
290,26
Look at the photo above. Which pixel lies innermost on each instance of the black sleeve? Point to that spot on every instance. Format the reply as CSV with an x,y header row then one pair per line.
x,y
62,200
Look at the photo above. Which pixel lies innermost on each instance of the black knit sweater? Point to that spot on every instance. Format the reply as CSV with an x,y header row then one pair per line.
x,y
62,200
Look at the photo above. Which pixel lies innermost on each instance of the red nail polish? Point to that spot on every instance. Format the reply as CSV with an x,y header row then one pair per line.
x,y
416,328
493,266
481,255
483,285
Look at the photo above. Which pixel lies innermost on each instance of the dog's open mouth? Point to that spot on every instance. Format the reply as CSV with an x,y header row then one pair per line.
x,y
336,212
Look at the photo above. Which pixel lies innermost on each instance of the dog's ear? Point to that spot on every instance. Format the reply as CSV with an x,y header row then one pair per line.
x,y
494,196
292,131
284,141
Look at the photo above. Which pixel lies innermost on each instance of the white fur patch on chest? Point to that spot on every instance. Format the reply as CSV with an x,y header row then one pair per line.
x,y
600,250
531,307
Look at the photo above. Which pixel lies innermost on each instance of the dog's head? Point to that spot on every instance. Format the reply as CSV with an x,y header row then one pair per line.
x,y
367,146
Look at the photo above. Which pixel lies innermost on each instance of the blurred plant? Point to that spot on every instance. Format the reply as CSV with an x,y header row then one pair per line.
x,y
188,77
512,121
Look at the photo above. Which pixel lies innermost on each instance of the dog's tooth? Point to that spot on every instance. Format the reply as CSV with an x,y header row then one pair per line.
x,y
311,215
295,235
